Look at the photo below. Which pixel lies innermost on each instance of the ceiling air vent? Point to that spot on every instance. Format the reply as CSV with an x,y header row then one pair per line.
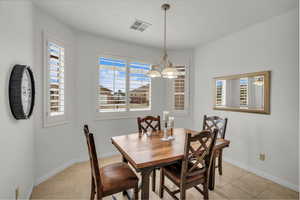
x,y
140,25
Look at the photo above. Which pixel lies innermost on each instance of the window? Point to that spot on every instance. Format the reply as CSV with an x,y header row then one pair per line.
x,y
220,92
56,79
178,92
139,86
112,85
243,91
55,68
179,89
123,85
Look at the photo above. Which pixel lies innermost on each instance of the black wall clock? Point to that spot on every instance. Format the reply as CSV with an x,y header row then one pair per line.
x,y
21,91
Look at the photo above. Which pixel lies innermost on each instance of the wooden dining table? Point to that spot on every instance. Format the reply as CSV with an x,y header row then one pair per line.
x,y
145,152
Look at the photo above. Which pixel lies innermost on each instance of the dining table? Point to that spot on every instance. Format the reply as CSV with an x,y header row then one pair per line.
x,y
146,152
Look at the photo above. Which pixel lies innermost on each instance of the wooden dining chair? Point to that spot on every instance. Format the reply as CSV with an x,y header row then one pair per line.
x,y
194,168
152,123
148,122
215,122
110,179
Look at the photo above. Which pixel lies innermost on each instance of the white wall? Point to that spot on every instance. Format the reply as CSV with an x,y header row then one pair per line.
x,y
17,136
270,45
65,144
55,146
89,48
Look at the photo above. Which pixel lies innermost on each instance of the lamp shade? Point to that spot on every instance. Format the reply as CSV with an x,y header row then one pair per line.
x,y
154,73
169,72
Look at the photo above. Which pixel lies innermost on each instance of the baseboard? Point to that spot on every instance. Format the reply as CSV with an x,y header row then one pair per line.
x,y
263,174
68,164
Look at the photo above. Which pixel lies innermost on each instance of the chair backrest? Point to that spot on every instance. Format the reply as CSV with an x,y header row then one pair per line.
x,y
93,158
198,153
215,122
148,122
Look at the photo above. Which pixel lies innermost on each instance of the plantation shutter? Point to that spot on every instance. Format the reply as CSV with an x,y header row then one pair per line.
x,y
139,86
56,64
179,89
220,92
244,91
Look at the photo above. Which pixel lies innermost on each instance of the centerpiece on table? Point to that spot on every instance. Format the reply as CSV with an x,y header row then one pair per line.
x,y
168,123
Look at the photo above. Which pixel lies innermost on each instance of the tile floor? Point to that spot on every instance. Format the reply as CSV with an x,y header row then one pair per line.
x,y
235,183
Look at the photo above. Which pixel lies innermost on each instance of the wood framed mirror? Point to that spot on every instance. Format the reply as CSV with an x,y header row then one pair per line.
x,y
248,92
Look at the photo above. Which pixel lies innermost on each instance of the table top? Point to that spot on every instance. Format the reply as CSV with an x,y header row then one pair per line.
x,y
144,151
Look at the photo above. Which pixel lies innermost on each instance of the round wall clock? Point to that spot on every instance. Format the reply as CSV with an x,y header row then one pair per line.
x,y
21,91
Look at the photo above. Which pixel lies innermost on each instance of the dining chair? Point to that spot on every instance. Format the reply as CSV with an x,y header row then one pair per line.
x,y
148,122
152,123
194,168
215,122
110,179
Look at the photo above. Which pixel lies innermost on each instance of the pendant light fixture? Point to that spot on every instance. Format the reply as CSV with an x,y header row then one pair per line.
x,y
168,71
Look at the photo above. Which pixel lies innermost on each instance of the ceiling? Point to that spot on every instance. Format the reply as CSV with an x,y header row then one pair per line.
x,y
189,22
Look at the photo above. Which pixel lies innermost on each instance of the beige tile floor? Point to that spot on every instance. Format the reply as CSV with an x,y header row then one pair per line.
x,y
235,183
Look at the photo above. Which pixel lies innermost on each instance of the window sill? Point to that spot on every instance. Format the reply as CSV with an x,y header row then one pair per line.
x,y
122,115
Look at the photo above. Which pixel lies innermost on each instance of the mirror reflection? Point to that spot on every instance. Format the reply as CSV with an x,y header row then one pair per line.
x,y
246,92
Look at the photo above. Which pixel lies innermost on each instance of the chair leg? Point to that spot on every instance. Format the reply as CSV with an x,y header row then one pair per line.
x,y
136,192
98,195
162,183
92,189
220,162
153,180
205,190
182,193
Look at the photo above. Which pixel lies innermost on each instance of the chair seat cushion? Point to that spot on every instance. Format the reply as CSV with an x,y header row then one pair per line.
x,y
173,172
117,177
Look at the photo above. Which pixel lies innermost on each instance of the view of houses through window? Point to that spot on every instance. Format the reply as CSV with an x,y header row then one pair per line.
x,y
114,94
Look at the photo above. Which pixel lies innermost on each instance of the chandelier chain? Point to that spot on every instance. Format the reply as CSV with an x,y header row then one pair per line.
x,y
165,32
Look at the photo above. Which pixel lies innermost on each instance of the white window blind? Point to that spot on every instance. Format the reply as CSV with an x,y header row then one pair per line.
x,y
244,91
220,92
139,86
123,85
112,85
56,64
179,89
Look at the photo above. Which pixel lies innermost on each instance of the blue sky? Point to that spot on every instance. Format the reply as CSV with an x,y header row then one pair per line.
x,y
243,81
136,79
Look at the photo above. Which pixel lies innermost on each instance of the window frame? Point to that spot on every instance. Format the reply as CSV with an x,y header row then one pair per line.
x,y
171,93
55,120
127,113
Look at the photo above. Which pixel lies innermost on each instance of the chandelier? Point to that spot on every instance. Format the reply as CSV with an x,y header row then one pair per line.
x,y
165,66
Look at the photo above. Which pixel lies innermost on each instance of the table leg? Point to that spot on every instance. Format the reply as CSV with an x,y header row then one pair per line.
x,y
211,182
145,184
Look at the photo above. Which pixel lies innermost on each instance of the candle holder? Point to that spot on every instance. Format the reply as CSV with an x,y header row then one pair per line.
x,y
171,125
165,131
168,122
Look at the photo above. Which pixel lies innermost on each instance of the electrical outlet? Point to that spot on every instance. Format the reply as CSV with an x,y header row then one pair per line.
x,y
17,193
262,156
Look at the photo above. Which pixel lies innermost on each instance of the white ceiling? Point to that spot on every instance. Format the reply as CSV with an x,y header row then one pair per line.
x,y
189,23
